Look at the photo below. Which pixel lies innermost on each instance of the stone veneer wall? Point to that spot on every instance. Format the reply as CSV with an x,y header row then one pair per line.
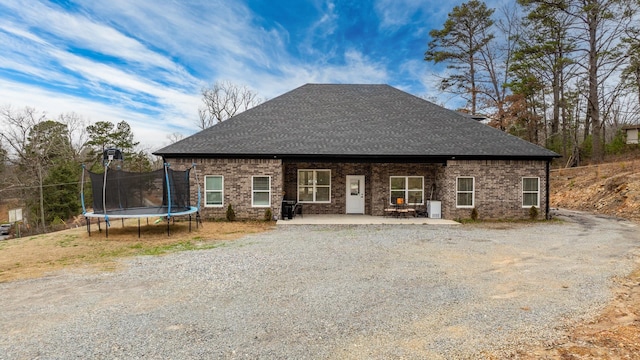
x,y
376,183
498,187
237,184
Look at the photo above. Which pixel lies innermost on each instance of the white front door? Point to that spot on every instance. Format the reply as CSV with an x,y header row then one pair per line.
x,y
355,194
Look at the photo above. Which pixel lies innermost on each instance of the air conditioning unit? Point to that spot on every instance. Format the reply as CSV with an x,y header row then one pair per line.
x,y
434,209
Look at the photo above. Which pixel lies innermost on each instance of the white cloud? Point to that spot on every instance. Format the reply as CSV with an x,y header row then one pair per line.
x,y
158,56
150,130
396,13
80,31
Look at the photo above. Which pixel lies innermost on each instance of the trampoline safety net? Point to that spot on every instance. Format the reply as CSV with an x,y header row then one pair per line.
x,y
139,191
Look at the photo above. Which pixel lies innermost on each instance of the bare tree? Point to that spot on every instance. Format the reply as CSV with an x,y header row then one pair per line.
x,y
495,61
174,137
32,142
631,74
77,132
599,27
224,100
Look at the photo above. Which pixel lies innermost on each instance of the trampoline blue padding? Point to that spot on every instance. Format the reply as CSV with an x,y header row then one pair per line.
x,y
143,212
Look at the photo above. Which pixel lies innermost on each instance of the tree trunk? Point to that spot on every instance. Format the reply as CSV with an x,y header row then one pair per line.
x,y
555,121
565,135
44,225
593,103
472,75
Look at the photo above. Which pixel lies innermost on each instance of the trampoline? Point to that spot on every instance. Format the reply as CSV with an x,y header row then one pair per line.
x,y
119,194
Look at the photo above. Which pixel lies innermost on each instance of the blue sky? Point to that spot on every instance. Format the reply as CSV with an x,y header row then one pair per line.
x,y
145,61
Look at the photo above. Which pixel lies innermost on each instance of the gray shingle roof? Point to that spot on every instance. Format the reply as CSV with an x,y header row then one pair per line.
x,y
352,121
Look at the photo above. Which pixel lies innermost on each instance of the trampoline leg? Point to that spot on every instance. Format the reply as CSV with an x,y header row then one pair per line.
x,y
123,222
138,228
99,227
168,224
88,225
189,222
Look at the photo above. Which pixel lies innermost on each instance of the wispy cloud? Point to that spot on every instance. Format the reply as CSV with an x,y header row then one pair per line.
x,y
145,61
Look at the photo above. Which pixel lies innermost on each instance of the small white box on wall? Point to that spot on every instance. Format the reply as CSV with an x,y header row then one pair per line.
x,y
434,209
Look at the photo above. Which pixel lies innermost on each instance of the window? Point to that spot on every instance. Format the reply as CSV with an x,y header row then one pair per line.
x,y
465,192
213,190
530,192
261,189
314,186
410,188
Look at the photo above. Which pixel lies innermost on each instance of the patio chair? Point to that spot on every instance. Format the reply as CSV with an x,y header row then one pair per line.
x,y
297,209
388,210
421,211
401,207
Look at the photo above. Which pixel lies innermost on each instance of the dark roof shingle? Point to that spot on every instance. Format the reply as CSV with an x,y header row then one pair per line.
x,y
352,121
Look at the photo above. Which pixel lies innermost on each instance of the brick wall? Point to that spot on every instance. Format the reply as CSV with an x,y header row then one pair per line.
x,y
498,187
339,172
381,181
237,175
376,183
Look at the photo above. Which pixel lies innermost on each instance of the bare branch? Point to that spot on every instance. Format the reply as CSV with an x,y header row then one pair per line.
x,y
224,100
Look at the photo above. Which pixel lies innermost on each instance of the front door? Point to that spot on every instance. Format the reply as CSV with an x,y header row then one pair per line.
x,y
355,194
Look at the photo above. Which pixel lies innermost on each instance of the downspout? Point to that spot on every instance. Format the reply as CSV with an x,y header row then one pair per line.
x,y
547,196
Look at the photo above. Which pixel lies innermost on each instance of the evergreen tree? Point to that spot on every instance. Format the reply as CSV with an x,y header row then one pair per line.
x,y
460,43
61,189
104,135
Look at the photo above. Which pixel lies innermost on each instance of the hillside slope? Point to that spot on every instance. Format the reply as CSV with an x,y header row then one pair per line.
x,y
610,189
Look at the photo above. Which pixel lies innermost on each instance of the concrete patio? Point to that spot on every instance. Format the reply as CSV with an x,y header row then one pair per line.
x,y
343,219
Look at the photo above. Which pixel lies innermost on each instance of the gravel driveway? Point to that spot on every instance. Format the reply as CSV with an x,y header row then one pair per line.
x,y
331,292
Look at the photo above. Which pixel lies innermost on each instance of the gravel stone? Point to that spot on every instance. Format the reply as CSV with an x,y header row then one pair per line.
x,y
331,292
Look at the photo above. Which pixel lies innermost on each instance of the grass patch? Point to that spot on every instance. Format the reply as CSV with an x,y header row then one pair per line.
x,y
505,223
36,256
181,246
68,240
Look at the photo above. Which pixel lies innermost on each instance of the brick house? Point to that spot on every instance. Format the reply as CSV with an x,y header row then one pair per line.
x,y
353,149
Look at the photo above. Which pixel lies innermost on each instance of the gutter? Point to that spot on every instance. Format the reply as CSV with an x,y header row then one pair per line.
x,y
548,190
356,157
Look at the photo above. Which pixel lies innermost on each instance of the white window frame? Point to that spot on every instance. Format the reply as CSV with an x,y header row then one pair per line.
x,y
406,189
537,192
472,192
221,191
254,191
314,186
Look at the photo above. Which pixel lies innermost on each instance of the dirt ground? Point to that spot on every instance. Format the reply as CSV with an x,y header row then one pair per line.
x,y
34,256
609,189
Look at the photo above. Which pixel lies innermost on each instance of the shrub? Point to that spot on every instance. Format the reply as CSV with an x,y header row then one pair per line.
x,y
231,215
268,215
533,213
474,214
617,144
